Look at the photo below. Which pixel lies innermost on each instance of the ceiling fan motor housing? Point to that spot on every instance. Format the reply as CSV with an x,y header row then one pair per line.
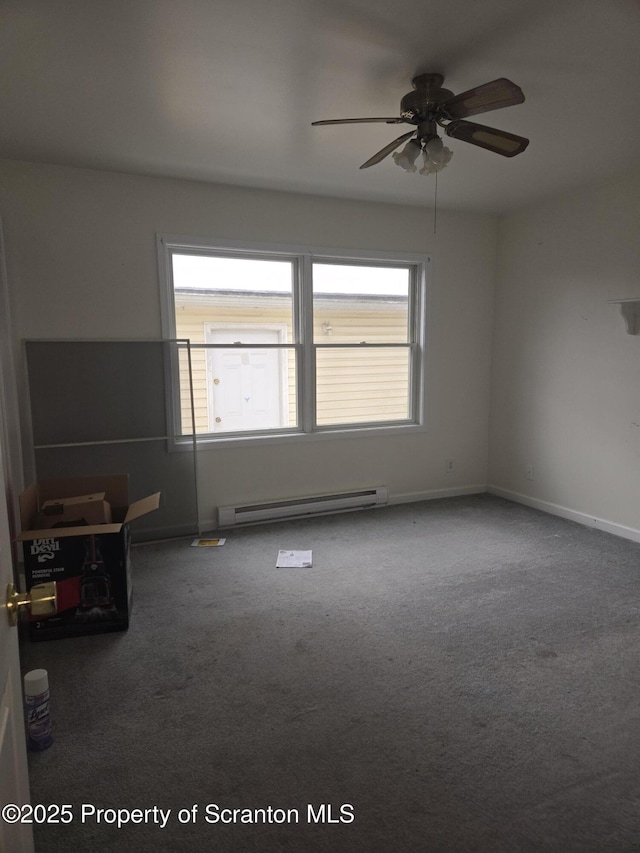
x,y
422,104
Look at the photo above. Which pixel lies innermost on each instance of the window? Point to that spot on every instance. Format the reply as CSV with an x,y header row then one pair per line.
x,y
286,341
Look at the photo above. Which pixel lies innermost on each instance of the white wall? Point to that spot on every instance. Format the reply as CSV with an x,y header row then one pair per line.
x,y
566,376
81,263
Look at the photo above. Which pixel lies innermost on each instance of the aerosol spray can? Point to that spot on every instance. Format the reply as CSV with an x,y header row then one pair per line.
x,y
37,711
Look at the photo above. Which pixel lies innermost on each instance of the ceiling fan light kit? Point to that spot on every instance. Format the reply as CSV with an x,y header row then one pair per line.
x,y
406,158
435,156
430,106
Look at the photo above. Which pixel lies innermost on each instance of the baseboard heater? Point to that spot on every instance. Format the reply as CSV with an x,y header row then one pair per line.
x,y
232,516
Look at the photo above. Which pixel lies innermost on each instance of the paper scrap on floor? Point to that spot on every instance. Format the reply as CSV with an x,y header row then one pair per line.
x,y
293,560
207,543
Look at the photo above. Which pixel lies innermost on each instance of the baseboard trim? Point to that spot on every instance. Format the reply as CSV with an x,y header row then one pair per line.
x,y
565,512
434,494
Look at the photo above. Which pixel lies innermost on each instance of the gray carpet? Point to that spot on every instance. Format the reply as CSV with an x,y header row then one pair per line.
x,y
464,673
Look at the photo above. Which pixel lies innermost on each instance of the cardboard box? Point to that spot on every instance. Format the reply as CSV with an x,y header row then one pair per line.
x,y
90,563
75,512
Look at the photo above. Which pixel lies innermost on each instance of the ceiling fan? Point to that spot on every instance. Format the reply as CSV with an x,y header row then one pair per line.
x,y
430,106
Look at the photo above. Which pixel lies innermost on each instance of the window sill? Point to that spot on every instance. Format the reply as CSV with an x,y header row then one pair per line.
x,y
236,441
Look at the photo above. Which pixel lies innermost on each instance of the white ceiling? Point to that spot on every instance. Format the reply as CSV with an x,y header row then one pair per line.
x,y
226,90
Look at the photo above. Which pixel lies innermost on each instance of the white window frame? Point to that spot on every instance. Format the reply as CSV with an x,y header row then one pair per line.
x,y
303,258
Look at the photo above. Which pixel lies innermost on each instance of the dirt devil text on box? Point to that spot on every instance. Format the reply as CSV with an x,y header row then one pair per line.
x,y
44,549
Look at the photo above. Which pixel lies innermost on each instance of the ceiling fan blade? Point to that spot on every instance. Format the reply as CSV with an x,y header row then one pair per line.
x,y
359,121
492,96
386,150
498,141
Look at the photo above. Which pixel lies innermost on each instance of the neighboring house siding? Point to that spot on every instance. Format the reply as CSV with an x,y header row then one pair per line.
x,y
353,385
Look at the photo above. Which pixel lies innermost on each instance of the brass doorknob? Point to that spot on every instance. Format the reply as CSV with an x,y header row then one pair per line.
x,y
42,600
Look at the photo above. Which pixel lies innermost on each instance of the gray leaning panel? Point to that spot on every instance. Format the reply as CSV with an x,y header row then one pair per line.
x,y
97,390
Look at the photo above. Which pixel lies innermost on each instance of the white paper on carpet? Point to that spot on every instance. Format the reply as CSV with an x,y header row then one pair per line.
x,y
294,560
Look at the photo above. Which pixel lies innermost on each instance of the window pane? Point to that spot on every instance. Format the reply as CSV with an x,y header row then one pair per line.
x,y
186,421
362,385
239,389
357,302
248,296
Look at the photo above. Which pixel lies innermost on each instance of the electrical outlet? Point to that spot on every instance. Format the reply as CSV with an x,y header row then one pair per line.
x,y
448,466
529,472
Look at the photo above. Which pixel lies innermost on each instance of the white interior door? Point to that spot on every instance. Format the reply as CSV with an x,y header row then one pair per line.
x,y
246,386
14,779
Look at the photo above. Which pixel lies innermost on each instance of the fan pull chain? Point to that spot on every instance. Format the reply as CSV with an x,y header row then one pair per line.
x,y
435,206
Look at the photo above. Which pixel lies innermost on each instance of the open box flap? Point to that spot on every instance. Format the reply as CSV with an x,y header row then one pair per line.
x,y
115,486
76,499
28,500
142,507
64,532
